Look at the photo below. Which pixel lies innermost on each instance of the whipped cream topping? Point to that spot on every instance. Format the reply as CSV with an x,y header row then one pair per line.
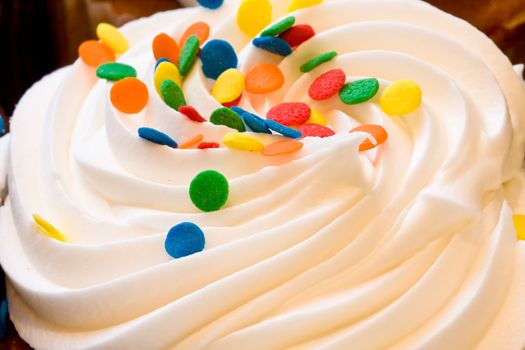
x,y
407,246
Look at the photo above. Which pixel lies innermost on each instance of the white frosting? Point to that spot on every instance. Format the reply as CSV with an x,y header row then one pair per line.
x,y
409,247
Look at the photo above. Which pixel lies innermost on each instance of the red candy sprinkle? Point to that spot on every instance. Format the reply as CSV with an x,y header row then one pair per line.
x,y
232,103
192,114
206,145
327,85
298,34
315,130
290,113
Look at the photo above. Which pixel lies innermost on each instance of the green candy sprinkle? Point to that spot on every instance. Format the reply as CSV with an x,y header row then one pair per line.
x,y
279,27
172,94
209,190
227,117
115,71
188,54
359,91
317,61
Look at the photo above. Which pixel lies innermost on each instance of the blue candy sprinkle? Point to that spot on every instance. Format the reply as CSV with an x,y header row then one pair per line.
x,y
184,239
211,4
274,45
162,59
157,137
255,123
282,129
4,319
2,125
217,56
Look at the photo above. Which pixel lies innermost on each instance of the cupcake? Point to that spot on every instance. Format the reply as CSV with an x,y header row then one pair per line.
x,y
271,174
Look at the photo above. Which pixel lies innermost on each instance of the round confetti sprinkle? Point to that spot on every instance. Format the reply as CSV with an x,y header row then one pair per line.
x,y
232,103
316,118
264,78
228,86
211,4
157,137
317,61
298,34
255,123
377,132
166,71
242,142
227,117
217,56
283,130
95,53
315,130
172,94
359,91
112,37
115,71
200,29
129,95
48,229
327,85
163,59
274,45
208,145
192,142
209,190
290,113
188,54
164,46
279,27
400,98
519,225
4,319
192,114
253,16
282,147
300,4
184,239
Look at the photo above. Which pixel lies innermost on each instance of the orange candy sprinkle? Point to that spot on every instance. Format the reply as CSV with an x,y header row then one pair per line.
x,y
200,29
94,53
264,78
129,95
164,46
282,147
193,142
376,131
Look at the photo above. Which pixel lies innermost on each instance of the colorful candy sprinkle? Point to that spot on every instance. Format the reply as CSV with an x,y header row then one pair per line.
x,y
242,142
298,34
113,71
519,225
274,45
172,94
400,98
253,16
95,53
315,130
359,91
316,118
264,78
129,95
255,123
164,46
327,85
208,145
200,29
192,142
157,137
217,56
377,132
282,147
227,117
112,37
300,4
209,190
4,319
283,130
48,229
317,61
279,27
211,4
188,54
166,71
228,86
184,239
232,103
192,114
290,113
163,59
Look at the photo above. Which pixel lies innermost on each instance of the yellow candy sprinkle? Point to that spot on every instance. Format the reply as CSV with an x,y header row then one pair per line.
x,y
242,142
166,71
400,98
301,4
229,86
253,16
112,37
48,229
519,225
316,118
